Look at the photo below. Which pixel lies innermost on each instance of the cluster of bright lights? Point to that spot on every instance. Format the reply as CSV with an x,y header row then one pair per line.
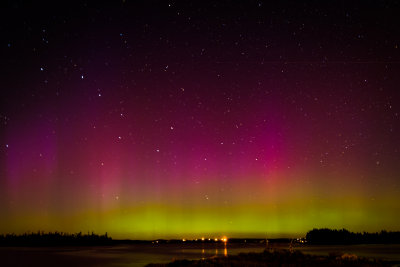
x,y
301,240
222,239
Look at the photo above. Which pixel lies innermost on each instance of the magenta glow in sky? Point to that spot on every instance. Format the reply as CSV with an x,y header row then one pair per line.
x,y
175,119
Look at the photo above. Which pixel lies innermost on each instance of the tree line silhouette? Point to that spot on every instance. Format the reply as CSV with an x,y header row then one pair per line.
x,y
315,236
54,239
343,236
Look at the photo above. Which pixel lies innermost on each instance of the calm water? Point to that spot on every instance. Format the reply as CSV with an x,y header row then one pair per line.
x,y
140,255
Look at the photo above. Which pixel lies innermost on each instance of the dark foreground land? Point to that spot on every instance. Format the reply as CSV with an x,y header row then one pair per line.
x,y
281,258
189,254
321,247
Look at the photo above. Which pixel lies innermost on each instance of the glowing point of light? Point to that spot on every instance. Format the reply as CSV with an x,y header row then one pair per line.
x,y
216,239
184,240
182,192
202,239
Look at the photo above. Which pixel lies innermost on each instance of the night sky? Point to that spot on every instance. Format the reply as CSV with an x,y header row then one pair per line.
x,y
175,119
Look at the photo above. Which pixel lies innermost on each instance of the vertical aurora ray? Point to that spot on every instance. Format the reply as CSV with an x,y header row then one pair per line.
x,y
232,127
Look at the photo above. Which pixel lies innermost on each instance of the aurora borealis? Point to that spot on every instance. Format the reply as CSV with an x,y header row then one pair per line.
x,y
179,119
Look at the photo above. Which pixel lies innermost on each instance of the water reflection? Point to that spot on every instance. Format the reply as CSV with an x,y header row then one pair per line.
x,y
218,251
140,255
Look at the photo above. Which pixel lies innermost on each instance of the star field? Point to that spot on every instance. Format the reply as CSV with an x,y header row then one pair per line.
x,y
183,119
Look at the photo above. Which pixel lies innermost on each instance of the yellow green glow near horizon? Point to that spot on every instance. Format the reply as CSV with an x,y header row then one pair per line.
x,y
253,208
236,118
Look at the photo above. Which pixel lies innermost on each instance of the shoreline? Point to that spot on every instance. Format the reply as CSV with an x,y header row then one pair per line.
x,y
281,257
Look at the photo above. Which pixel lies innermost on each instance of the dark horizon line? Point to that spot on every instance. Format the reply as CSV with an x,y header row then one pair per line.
x,y
210,237
315,236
